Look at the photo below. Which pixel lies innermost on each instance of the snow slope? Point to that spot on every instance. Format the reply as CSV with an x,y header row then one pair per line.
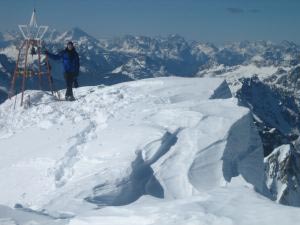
x,y
155,151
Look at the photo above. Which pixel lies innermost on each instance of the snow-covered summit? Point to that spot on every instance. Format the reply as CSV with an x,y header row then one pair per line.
x,y
179,146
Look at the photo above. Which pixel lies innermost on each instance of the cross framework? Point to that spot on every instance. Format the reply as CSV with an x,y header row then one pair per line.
x,y
36,65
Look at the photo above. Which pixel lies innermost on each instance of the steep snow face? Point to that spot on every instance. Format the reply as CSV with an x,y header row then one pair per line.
x,y
172,138
236,144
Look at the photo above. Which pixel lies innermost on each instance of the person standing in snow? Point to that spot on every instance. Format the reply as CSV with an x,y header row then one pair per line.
x,y
71,64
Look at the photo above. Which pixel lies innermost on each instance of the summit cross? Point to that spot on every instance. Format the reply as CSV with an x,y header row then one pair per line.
x,y
32,30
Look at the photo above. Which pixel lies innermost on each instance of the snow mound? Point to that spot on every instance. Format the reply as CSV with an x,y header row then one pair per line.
x,y
128,148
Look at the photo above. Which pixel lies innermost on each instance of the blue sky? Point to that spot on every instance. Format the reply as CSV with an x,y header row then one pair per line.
x,y
215,21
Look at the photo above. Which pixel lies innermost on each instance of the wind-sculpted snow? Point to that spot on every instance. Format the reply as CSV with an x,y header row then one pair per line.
x,y
215,150
155,151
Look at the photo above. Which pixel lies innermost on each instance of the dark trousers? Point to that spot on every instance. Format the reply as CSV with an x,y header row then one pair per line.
x,y
69,78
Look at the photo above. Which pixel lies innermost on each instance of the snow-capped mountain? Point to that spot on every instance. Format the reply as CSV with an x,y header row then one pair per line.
x,y
74,34
137,57
155,151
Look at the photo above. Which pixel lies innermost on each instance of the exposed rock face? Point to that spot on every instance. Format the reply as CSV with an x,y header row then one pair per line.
x,y
283,175
276,114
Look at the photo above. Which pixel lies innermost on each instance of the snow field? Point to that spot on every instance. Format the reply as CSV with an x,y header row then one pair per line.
x,y
157,151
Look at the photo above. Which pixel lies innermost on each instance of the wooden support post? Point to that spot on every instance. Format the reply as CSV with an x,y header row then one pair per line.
x,y
25,71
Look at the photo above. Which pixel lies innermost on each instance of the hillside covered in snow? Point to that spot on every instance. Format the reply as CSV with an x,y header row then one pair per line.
x,y
155,151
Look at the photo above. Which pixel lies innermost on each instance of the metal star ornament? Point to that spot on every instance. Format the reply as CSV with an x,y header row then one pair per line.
x,y
32,30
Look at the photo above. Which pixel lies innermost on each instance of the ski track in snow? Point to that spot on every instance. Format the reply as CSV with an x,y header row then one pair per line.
x,y
64,170
64,166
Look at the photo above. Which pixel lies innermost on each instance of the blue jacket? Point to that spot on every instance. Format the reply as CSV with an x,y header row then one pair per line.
x,y
70,60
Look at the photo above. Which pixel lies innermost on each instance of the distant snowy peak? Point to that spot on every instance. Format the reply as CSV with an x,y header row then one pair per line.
x,y
132,44
155,46
207,48
176,41
76,35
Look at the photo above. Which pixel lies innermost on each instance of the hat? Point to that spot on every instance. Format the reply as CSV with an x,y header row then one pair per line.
x,y
70,43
